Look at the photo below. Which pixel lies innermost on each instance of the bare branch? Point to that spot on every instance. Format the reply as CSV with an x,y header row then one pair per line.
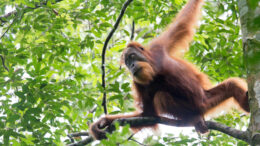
x,y
141,121
242,135
77,134
83,142
104,52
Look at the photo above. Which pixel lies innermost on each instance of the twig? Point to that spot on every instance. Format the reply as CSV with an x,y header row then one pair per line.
x,y
8,28
130,136
93,109
133,31
137,142
3,63
104,52
55,12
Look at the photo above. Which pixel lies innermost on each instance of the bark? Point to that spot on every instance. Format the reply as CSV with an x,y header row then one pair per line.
x,y
249,11
122,12
144,121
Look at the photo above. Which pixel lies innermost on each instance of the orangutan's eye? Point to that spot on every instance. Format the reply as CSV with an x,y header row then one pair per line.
x,y
132,56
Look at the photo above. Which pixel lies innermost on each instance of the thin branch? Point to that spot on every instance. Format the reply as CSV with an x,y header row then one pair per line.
x,y
77,134
83,142
8,28
3,63
55,12
130,136
133,31
104,52
141,121
137,142
93,109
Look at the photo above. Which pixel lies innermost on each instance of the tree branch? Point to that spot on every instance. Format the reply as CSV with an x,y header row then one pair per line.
x,y
27,9
142,121
242,135
133,31
8,28
3,63
104,52
77,134
83,142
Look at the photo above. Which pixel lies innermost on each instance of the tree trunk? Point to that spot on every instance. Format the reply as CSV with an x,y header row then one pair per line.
x,y
249,11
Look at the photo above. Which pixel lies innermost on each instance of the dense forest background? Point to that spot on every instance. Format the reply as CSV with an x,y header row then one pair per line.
x,y
50,71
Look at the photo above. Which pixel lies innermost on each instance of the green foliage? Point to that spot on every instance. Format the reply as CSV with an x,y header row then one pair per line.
x,y
114,138
217,48
53,54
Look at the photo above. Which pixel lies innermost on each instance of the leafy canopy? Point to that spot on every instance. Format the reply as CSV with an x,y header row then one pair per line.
x,y
50,80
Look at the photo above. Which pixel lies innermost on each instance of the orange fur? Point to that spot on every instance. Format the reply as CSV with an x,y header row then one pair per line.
x,y
145,75
180,33
167,85
202,78
230,103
